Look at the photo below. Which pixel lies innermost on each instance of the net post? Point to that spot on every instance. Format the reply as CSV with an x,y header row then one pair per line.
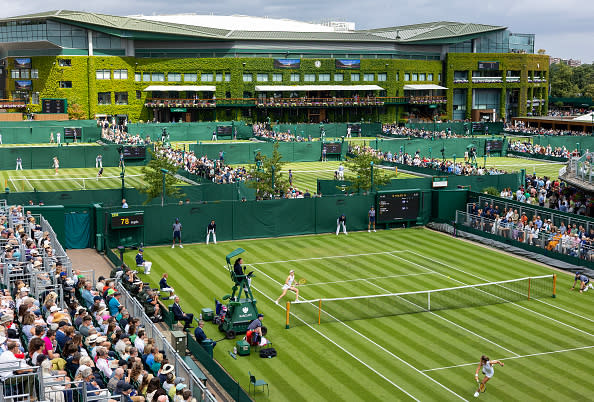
x,y
529,283
554,285
428,301
288,315
319,311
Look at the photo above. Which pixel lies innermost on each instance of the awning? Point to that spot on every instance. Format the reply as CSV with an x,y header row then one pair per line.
x,y
421,87
181,88
305,88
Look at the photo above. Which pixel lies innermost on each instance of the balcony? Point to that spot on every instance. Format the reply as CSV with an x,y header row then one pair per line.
x,y
486,80
537,80
427,100
12,103
460,81
321,102
512,79
169,103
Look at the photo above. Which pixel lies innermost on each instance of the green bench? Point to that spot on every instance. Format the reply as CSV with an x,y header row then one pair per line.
x,y
195,369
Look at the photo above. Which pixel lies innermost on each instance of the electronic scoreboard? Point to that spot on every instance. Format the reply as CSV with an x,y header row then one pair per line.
x,y
398,206
224,131
332,148
134,152
72,133
123,220
54,106
493,146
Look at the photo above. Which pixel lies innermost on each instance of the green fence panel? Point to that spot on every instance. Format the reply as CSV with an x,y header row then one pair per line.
x,y
198,131
355,208
243,153
570,142
456,127
38,132
537,156
445,203
77,226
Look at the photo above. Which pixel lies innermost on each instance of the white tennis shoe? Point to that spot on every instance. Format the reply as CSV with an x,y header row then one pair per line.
x,y
476,394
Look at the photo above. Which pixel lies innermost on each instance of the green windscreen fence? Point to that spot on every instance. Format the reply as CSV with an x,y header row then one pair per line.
x,y
38,132
456,127
199,131
582,142
433,148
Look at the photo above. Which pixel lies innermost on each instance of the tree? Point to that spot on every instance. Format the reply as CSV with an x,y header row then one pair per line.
x,y
153,176
541,51
359,173
267,176
76,112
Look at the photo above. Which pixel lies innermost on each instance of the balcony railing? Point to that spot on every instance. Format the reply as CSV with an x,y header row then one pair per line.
x,y
12,103
512,79
460,81
486,80
427,100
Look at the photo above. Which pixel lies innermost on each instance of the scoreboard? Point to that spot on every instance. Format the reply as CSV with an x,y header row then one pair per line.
x,y
73,132
134,152
493,146
122,220
398,206
54,106
355,128
224,131
333,148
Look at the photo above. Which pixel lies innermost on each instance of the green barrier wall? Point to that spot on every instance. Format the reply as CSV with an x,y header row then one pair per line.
x,y
432,148
569,142
537,156
331,129
78,156
38,132
188,131
245,152
456,127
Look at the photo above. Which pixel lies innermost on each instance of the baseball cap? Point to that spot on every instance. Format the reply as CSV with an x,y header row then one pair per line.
x,y
260,315
179,387
140,249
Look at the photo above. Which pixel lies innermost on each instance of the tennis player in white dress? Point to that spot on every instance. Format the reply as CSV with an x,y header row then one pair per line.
x,y
289,286
486,365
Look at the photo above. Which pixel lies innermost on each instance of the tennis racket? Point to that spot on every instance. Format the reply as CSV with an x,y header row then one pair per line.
x,y
482,387
302,281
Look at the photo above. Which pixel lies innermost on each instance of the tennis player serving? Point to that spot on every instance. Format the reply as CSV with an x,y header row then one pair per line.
x,y
487,366
289,286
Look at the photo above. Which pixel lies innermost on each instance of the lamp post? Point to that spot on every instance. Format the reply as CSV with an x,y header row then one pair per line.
x,y
164,172
123,181
434,126
577,146
430,153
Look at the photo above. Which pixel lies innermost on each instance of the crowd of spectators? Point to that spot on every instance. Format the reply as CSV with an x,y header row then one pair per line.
x,y
557,112
395,129
520,128
537,149
73,332
264,130
464,168
119,135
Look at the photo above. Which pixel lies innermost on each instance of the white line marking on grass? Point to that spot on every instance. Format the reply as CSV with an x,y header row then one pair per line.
x,y
370,341
453,323
514,357
331,256
333,342
27,181
14,185
483,279
366,279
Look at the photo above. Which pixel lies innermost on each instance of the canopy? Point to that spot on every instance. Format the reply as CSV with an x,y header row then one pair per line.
x,y
205,88
421,87
305,88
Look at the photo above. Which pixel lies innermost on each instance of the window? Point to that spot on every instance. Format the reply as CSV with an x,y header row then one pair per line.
x,y
14,74
382,77
35,98
137,77
158,77
247,77
276,77
323,77
309,77
219,77
103,74
120,74
439,77
34,73
104,98
146,77
65,84
406,76
338,77
368,77
174,77
422,77
227,77
206,77
190,77
121,98
355,76
397,76
138,94
415,76
24,73
295,77
65,62
430,77
262,77
247,95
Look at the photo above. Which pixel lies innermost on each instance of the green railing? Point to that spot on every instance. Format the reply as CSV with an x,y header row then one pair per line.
x,y
220,375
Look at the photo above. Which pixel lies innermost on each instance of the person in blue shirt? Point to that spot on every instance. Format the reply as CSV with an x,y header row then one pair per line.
x,y
114,303
584,282
200,335
141,262
164,287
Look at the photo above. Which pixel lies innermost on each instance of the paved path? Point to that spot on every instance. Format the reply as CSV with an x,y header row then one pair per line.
x,y
89,258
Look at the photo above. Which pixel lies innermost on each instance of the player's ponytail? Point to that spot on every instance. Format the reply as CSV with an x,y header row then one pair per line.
x,y
484,358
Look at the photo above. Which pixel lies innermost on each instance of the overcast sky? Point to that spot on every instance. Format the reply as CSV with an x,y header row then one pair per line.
x,y
564,28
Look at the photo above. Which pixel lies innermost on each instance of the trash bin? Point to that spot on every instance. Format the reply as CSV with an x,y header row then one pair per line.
x,y
243,348
208,346
99,242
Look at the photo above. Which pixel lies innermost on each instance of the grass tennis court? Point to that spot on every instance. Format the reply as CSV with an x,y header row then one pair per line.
x,y
540,167
420,356
69,179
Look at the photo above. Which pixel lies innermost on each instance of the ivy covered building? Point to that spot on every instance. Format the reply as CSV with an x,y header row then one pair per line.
x,y
195,68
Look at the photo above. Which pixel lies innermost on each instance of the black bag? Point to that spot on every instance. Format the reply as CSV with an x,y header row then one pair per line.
x,y
268,353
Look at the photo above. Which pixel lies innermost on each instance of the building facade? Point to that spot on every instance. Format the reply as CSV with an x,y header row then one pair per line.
x,y
138,68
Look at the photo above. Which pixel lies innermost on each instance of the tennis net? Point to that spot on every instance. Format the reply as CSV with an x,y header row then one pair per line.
x,y
362,307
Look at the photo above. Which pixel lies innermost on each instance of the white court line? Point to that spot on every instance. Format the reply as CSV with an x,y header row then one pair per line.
x,y
331,256
27,181
514,357
483,279
366,279
453,323
377,345
16,189
348,352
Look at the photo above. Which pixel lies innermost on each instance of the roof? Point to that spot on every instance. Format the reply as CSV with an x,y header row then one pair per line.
x,y
205,88
433,30
422,87
304,88
254,28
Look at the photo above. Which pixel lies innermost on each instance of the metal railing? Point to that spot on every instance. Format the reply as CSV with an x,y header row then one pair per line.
x,y
552,241
181,368
581,167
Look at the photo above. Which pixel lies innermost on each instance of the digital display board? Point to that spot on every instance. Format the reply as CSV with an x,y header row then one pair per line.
x,y
287,63
54,106
493,146
488,65
478,126
355,128
395,207
348,64
22,62
332,148
224,130
133,152
122,220
73,132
